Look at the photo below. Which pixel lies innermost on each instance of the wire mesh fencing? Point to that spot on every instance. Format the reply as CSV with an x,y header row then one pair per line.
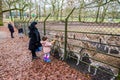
x,y
96,45
93,47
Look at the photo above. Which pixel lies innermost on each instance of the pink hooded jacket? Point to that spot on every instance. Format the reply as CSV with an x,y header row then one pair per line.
x,y
46,46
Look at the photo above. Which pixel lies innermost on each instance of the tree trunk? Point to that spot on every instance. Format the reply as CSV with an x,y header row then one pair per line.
x,y
30,10
97,14
1,14
61,10
57,13
10,12
72,16
82,3
44,9
39,12
104,14
80,10
20,14
53,8
36,7
16,15
11,15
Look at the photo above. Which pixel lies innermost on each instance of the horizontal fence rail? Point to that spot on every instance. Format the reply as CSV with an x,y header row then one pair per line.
x,y
96,32
50,32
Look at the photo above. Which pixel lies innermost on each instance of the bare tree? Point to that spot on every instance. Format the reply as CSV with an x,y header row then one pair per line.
x,y
36,7
1,14
58,9
39,11
44,3
22,6
71,4
104,13
13,5
98,10
82,3
30,8
61,9
10,5
53,7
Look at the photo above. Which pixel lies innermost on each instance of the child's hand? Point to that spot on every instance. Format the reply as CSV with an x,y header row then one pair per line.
x,y
56,39
53,41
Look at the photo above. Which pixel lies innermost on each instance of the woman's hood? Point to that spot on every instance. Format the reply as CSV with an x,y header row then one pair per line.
x,y
32,26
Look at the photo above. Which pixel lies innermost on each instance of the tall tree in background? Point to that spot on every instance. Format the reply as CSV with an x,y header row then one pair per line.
x,y
114,8
44,7
58,9
71,4
1,14
15,5
36,7
30,9
9,3
22,7
105,8
82,3
9,6
39,10
102,3
53,5
98,10
61,9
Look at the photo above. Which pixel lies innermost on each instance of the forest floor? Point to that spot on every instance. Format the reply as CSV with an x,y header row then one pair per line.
x,y
16,62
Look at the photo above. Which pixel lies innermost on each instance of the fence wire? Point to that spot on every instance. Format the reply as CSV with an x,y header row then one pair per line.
x,y
100,42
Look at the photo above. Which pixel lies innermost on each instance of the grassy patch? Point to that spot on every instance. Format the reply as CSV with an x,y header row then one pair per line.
x,y
70,19
1,24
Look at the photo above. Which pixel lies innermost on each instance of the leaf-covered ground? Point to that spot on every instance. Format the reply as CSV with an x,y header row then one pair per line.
x,y
16,62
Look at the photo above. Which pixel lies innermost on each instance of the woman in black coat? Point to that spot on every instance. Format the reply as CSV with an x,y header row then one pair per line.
x,y
35,39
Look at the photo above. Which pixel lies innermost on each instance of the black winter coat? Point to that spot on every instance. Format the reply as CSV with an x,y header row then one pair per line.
x,y
20,30
34,36
10,27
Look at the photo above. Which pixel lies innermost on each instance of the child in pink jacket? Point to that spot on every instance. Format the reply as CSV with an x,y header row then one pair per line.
x,y
46,48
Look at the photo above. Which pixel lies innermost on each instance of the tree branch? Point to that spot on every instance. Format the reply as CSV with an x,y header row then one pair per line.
x,y
24,6
99,5
10,10
118,1
15,9
14,1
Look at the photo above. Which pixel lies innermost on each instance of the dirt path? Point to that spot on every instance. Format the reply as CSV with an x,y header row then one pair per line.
x,y
16,63
3,35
